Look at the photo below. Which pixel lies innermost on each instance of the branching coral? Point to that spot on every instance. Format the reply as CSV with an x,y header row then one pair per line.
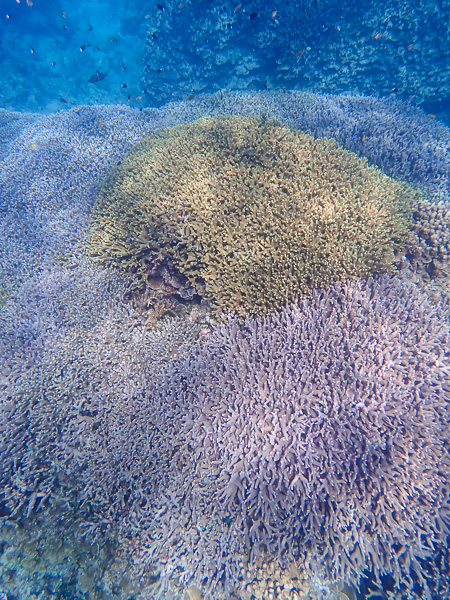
x,y
319,433
104,425
258,212
429,249
72,350
316,436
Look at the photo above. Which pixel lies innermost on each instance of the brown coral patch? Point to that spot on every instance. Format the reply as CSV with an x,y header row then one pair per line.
x,y
256,212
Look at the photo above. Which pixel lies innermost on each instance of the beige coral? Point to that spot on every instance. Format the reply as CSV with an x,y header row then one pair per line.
x,y
259,213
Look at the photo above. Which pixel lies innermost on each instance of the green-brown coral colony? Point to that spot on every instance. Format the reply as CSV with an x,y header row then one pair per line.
x,y
256,212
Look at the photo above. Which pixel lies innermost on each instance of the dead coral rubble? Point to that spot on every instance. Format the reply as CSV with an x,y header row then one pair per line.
x,y
259,213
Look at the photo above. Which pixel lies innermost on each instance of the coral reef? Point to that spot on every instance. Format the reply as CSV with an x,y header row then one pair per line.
x,y
312,436
72,348
255,211
429,250
74,341
382,49
51,168
11,125
403,141
52,165
82,377
47,557
316,435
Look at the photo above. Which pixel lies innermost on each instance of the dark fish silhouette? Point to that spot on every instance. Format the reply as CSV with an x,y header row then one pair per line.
x,y
97,77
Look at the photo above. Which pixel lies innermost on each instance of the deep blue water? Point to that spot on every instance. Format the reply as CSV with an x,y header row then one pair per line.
x,y
80,84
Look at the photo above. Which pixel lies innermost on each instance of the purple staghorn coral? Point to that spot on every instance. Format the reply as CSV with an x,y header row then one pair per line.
x,y
317,434
79,395
48,176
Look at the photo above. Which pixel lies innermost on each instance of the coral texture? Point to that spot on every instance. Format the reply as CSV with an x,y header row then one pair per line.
x,y
48,176
257,212
52,165
429,248
316,436
82,379
321,430
74,350
377,49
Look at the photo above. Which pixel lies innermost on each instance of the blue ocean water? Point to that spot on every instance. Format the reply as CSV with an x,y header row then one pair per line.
x,y
152,447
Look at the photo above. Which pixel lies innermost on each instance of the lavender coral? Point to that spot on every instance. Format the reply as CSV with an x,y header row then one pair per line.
x,y
319,433
317,436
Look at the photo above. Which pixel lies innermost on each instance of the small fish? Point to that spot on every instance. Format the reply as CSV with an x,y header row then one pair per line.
x,y
160,7
124,85
29,3
363,139
64,100
138,98
154,36
100,121
431,116
97,77
78,108
53,63
191,97
63,14
328,232
113,40
378,35
82,47
274,14
410,47
237,7
300,53
253,16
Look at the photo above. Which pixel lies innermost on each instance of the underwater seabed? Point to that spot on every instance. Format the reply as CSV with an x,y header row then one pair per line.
x,y
94,366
